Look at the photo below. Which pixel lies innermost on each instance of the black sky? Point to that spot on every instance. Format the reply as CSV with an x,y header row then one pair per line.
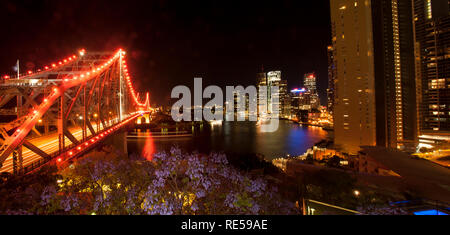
x,y
171,42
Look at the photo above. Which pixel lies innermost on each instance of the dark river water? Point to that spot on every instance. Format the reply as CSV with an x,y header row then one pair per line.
x,y
232,138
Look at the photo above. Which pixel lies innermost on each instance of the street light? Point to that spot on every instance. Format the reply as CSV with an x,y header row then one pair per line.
x,y
356,192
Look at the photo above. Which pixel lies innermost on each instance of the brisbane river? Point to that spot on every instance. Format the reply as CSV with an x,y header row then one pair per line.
x,y
232,138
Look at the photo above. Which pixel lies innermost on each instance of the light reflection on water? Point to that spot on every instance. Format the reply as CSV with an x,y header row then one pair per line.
x,y
234,138
149,147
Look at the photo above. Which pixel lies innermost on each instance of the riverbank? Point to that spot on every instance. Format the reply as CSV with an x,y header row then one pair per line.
x,y
324,127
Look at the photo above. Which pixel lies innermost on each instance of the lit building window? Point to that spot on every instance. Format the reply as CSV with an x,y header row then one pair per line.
x,y
428,9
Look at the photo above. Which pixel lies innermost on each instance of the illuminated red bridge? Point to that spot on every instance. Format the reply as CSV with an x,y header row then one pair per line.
x,y
64,109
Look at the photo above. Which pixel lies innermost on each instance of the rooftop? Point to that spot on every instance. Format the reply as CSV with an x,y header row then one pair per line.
x,y
426,178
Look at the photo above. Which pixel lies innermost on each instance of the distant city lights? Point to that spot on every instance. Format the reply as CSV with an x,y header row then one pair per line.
x,y
296,90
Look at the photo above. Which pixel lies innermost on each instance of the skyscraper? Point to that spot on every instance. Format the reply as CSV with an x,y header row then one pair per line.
x,y
310,83
261,81
432,53
300,104
374,85
273,79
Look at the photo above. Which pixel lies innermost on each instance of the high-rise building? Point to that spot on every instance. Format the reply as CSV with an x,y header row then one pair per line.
x,y
331,79
297,102
432,53
270,80
273,80
310,83
300,105
261,81
285,100
374,92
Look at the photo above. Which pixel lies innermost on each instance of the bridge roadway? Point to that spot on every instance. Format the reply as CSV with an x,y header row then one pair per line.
x,y
50,145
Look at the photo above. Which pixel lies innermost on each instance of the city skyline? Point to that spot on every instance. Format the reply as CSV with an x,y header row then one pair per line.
x,y
222,50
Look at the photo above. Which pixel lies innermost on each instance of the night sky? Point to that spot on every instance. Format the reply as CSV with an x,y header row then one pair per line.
x,y
171,42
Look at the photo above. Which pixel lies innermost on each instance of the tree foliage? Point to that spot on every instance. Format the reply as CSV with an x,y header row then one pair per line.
x,y
22,194
173,183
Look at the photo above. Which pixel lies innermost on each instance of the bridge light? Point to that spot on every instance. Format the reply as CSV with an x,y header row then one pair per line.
x,y
60,63
53,65
45,100
65,61
70,153
86,144
82,52
30,72
59,159
46,67
55,89
79,148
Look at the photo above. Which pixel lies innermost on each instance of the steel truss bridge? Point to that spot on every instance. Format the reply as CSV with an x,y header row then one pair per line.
x,y
62,110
